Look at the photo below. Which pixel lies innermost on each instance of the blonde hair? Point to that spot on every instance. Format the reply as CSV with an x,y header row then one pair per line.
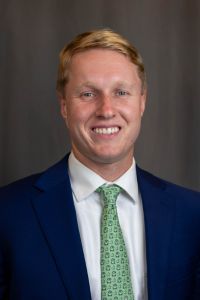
x,y
100,39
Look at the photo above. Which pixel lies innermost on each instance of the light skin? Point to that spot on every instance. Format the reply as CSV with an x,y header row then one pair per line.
x,y
102,107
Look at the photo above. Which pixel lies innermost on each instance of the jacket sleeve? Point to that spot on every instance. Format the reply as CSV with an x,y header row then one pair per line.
x,y
197,290
3,273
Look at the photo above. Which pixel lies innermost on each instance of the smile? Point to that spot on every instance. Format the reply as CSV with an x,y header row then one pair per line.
x,y
109,130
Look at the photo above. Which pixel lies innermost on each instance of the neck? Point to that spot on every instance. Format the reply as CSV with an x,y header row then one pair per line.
x,y
109,171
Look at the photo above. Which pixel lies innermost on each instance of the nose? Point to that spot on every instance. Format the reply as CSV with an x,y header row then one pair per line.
x,y
105,108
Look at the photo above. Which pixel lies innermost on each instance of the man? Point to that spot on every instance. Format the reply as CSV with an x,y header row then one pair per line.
x,y
53,242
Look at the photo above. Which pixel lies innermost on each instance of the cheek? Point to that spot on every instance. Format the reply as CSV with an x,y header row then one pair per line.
x,y
131,113
80,114
77,118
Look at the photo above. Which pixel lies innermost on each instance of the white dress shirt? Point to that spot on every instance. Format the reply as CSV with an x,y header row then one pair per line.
x,y
89,205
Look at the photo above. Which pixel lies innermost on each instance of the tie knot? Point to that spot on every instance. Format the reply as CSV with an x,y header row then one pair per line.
x,y
110,193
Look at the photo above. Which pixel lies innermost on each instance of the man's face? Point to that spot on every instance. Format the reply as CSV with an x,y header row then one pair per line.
x,y
102,107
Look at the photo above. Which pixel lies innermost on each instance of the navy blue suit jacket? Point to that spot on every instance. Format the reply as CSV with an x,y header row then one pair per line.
x,y
41,256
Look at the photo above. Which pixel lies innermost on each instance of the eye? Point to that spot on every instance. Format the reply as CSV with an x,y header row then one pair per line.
x,y
87,95
122,93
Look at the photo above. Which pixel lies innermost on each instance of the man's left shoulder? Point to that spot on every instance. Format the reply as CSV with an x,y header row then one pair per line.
x,y
180,191
172,189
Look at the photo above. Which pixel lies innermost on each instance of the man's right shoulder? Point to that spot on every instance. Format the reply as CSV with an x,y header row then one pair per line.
x,y
31,186
18,188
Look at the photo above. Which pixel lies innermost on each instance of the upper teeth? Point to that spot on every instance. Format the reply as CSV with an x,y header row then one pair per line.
x,y
109,130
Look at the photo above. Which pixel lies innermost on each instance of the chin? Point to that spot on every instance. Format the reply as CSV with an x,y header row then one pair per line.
x,y
108,158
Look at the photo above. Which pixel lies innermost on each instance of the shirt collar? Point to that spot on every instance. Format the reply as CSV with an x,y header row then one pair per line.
x,y
84,181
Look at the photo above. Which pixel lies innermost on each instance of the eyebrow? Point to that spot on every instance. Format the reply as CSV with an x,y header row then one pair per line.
x,y
86,84
118,84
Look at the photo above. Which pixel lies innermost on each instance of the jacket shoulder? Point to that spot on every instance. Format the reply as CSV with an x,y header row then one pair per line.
x,y
169,187
33,184
18,189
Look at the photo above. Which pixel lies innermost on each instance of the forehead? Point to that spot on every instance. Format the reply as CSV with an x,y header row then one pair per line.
x,y
102,62
96,54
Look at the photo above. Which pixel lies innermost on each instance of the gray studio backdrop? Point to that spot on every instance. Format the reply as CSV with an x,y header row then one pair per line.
x,y
167,33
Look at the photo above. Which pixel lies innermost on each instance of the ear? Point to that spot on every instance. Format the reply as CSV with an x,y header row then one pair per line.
x,y
143,101
63,106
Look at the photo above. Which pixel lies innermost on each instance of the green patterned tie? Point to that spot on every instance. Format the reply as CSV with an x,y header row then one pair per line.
x,y
115,272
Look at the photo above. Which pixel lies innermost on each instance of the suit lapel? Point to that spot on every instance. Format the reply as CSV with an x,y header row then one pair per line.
x,y
54,209
159,217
